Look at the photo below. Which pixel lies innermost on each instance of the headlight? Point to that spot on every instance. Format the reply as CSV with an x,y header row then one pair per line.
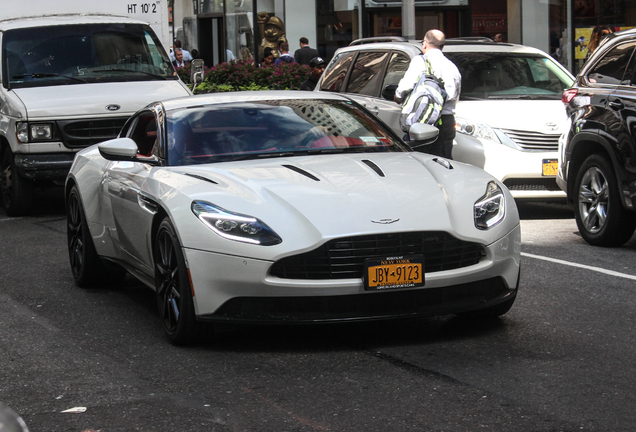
x,y
483,131
235,226
22,132
477,130
30,132
490,209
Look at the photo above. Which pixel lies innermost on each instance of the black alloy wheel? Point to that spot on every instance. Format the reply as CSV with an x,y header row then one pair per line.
x,y
600,216
17,192
87,267
172,284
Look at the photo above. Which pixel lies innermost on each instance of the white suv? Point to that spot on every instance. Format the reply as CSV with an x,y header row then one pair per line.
x,y
509,116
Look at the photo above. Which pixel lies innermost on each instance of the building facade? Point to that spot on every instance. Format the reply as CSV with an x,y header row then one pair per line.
x,y
224,29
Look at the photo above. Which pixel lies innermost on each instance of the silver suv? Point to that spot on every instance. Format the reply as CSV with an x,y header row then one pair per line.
x,y
509,116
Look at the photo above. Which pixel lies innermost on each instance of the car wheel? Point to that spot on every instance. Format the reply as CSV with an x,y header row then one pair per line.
x,y
17,192
172,283
600,216
87,267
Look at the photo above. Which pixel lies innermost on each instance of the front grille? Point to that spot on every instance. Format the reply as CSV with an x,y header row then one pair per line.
x,y
344,258
532,184
85,132
533,141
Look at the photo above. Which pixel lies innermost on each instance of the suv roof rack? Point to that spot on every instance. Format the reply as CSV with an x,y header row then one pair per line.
x,y
378,39
471,39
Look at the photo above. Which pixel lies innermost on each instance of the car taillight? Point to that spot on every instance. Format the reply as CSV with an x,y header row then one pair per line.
x,y
568,95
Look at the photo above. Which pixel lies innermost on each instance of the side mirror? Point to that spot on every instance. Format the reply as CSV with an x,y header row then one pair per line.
x,y
423,133
118,149
196,72
388,92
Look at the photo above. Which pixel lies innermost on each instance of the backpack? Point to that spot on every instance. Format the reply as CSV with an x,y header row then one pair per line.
x,y
424,103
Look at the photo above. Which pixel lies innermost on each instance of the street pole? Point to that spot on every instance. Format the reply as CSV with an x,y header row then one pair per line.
x,y
408,19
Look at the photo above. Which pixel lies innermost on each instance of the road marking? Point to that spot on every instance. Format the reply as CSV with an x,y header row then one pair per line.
x,y
568,263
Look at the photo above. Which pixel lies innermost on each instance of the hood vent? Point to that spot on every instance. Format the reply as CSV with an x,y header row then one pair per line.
x,y
374,167
202,178
301,171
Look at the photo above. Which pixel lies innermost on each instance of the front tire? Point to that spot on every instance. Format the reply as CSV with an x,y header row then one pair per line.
x,y
172,284
600,216
87,267
17,191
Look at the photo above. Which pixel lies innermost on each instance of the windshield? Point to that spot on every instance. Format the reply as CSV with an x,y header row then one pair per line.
x,y
239,131
74,54
488,75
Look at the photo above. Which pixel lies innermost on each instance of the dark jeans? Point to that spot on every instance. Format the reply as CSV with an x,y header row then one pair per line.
x,y
443,145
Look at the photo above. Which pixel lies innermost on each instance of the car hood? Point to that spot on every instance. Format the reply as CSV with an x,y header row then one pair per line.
x,y
328,196
71,101
545,116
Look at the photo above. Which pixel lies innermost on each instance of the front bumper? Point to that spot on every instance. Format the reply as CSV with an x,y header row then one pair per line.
x,y
520,171
231,288
51,166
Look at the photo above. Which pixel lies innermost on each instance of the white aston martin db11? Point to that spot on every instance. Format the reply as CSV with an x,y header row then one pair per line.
x,y
288,207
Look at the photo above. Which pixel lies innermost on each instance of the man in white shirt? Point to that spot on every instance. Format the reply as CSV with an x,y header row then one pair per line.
x,y
445,69
186,54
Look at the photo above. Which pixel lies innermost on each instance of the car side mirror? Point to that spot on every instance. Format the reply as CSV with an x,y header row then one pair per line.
x,y
388,92
196,72
118,149
423,133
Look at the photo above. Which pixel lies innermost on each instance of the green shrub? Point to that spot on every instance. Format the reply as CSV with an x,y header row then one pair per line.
x,y
243,75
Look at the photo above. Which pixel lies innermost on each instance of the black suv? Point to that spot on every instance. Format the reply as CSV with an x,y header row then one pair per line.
x,y
597,166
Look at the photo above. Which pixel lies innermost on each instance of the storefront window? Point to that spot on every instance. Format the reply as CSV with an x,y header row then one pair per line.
x,y
239,29
618,15
337,26
210,6
559,48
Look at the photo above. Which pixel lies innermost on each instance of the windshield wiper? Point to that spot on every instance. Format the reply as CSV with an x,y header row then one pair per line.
x,y
131,71
47,75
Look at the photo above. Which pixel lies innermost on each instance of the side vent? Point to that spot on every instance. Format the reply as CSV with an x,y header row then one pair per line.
x,y
201,178
374,167
301,171
443,162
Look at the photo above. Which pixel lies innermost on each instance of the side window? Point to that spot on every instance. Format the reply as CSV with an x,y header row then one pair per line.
x,y
365,76
396,69
611,68
335,76
144,133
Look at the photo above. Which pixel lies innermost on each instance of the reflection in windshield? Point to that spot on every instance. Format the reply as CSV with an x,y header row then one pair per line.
x,y
239,131
72,54
509,76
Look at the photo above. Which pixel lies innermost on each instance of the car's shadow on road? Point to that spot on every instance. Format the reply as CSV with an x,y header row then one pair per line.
x,y
544,210
347,336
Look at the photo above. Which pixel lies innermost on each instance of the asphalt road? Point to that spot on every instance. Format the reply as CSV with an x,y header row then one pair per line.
x,y
561,360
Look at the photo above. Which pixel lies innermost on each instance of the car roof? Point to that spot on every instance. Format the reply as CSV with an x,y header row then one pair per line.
x,y
64,19
246,96
467,44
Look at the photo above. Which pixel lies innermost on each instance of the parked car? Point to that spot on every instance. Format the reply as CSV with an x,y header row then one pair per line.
x,y
288,207
509,116
71,77
597,165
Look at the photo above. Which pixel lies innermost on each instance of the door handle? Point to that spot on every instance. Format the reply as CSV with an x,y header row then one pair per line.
x,y
616,104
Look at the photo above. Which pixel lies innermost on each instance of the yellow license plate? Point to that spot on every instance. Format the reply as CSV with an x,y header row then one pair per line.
x,y
394,272
550,167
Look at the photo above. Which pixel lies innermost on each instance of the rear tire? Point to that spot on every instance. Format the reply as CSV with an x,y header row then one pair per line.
x,y
87,267
600,216
172,284
17,191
